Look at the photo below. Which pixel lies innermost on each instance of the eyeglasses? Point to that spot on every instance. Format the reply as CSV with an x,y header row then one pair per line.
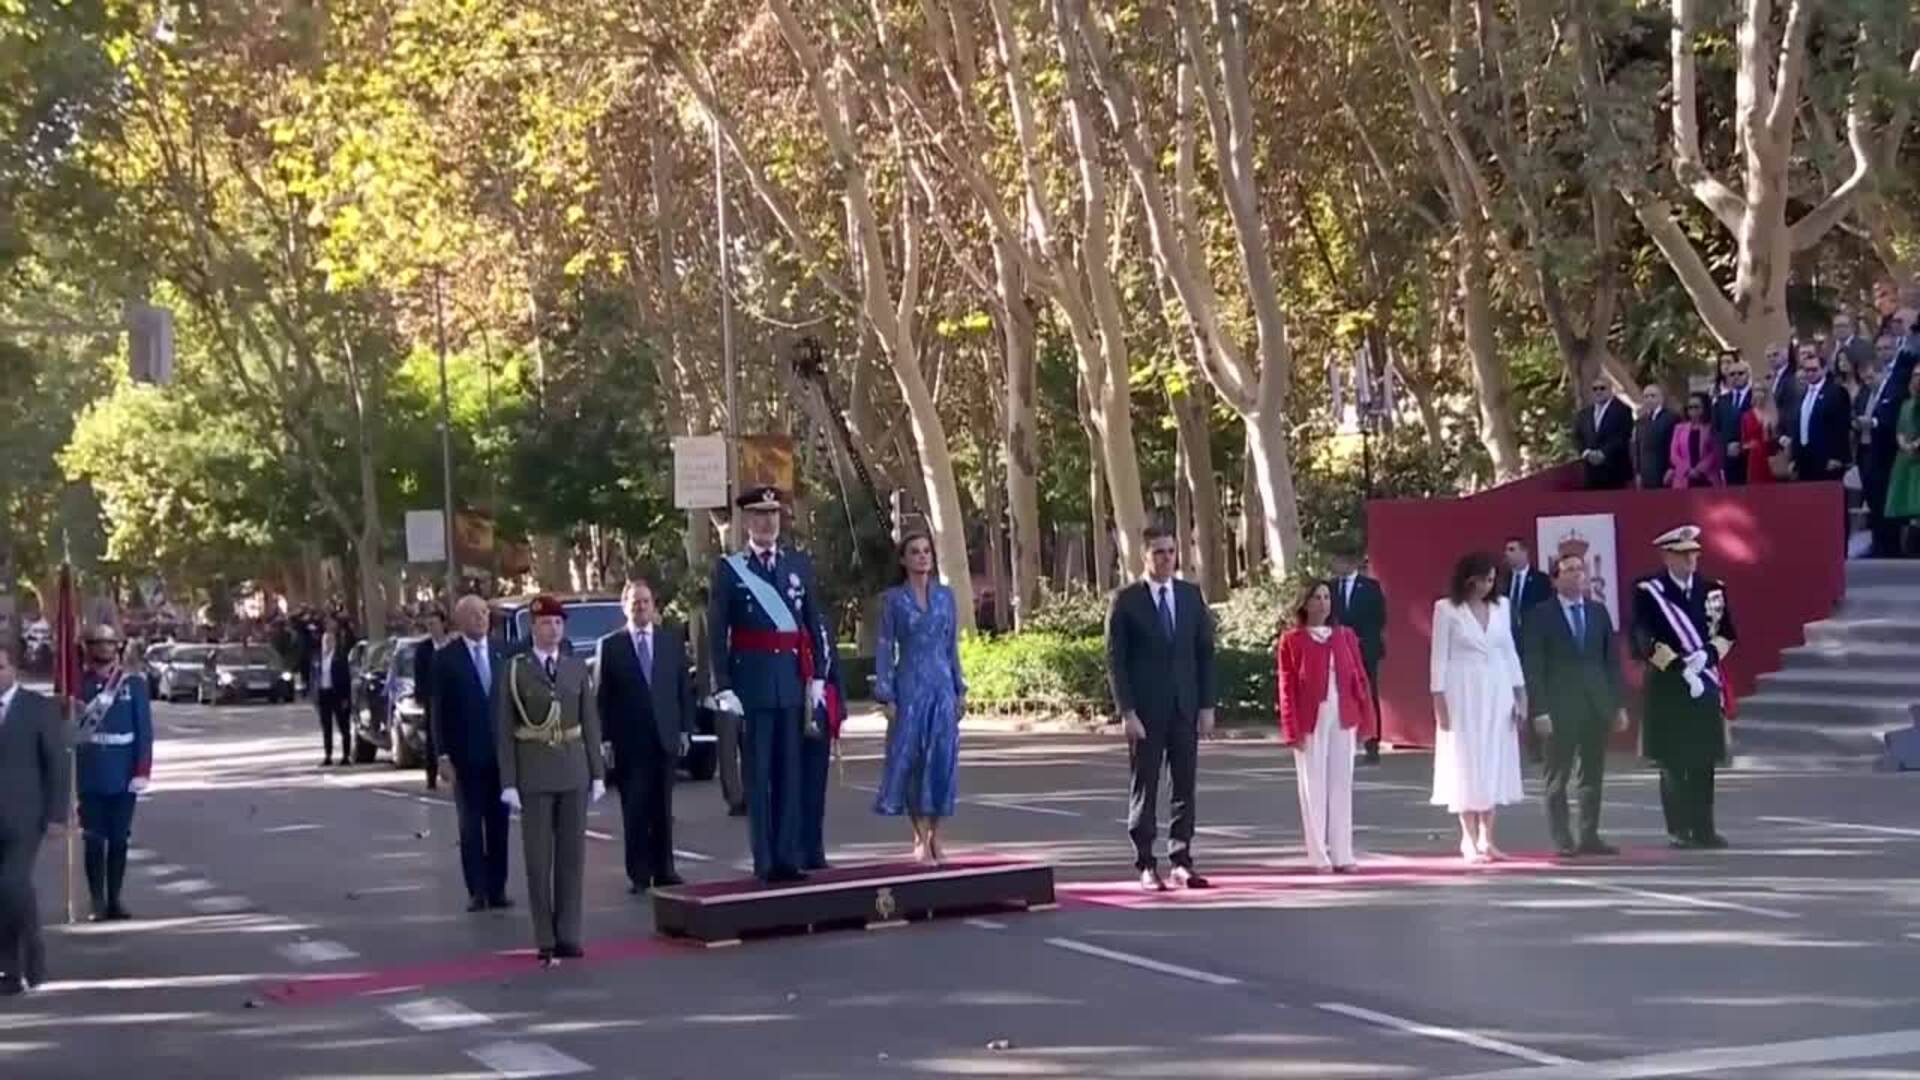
x,y
1601,388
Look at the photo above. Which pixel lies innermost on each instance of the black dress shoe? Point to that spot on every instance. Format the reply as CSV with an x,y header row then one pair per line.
x,y
1186,877
635,889
546,958
326,762
668,881
1566,851
736,811
785,875
12,987
97,916
569,952
476,903
1681,843
118,913
500,903
1711,841
1598,847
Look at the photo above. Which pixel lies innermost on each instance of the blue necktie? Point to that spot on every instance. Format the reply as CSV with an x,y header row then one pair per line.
x,y
643,647
1166,611
1580,623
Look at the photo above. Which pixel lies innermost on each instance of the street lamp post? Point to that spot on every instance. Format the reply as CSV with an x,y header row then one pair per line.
x,y
446,446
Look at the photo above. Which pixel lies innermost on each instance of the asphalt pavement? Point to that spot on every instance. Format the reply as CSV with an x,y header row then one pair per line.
x,y
299,922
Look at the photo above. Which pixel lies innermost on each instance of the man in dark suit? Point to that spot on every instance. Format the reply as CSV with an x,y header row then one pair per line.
x,y
1780,373
1603,433
465,675
1160,664
34,774
1820,422
1879,420
1653,437
1521,585
1360,605
1573,684
333,689
1683,630
646,709
437,638
1846,343
1733,403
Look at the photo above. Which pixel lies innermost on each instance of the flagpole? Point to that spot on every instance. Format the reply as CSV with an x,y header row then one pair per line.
x,y
64,639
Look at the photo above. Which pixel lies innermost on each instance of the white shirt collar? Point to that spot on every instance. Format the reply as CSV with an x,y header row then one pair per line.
x,y
473,644
1574,603
1685,586
762,552
640,631
546,657
6,698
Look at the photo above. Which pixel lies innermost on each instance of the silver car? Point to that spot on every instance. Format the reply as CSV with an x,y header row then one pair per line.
x,y
180,676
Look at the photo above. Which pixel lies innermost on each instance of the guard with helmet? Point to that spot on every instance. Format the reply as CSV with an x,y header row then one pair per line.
x,y
113,758
770,655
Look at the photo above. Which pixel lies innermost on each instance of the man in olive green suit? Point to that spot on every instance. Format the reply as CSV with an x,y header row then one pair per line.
x,y
548,733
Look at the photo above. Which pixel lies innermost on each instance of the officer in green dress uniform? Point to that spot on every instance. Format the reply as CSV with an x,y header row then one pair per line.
x,y
547,728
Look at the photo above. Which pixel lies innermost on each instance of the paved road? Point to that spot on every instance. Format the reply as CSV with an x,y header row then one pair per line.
x,y
302,923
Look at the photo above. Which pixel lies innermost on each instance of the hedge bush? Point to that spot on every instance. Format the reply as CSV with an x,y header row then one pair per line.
x,y
1028,670
1075,612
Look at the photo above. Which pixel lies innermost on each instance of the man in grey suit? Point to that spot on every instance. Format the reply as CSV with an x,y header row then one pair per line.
x,y
1573,682
645,697
33,802
1160,663
548,732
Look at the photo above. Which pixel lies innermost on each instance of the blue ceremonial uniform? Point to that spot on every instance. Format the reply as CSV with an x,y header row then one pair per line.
x,y
114,747
772,692
816,757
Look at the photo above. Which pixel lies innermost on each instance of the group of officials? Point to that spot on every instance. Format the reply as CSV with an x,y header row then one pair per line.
x,y
538,733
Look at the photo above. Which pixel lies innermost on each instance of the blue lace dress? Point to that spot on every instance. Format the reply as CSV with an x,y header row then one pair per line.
x,y
917,671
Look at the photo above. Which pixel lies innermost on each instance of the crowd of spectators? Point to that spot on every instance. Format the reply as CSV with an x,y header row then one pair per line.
x,y
1840,406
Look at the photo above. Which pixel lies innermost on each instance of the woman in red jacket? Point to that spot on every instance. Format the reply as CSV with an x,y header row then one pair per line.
x,y
1324,699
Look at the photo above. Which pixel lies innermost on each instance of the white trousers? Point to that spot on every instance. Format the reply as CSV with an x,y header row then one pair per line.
x,y
1324,770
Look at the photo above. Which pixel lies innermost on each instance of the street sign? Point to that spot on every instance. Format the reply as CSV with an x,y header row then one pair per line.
x,y
426,536
699,472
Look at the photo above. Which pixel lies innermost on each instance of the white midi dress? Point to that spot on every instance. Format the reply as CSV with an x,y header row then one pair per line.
x,y
1476,763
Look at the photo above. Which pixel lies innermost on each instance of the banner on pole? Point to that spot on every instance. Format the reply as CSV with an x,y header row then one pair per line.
x,y
699,472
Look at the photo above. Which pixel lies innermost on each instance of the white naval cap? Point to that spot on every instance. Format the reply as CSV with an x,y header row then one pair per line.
x,y
1685,538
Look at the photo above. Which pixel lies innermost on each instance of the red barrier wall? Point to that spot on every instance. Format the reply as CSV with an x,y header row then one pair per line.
x,y
1778,547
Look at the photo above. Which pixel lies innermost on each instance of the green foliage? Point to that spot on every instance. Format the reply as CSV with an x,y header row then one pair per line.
x,y
1078,611
1035,669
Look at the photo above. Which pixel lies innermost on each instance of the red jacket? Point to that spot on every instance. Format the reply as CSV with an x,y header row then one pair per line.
x,y
1301,665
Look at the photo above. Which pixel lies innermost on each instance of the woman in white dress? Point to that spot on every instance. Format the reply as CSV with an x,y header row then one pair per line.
x,y
1479,702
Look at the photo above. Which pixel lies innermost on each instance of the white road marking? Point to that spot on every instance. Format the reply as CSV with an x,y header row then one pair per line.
x,y
1724,1059
525,1060
986,924
1675,898
317,952
1446,1034
598,835
164,869
436,1014
140,854
1143,962
187,886
1008,804
221,905
691,856
1881,830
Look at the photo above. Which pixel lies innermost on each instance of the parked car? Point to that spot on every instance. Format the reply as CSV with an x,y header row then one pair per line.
x,y
367,662
185,670
386,715
590,618
243,673
153,662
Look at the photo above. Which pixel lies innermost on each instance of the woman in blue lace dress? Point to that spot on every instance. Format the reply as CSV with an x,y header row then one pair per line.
x,y
917,682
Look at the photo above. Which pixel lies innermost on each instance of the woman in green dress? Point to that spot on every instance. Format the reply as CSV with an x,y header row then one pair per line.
x,y
1903,488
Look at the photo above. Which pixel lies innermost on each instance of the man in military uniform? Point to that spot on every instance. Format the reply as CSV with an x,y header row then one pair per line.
x,y
769,652
548,731
1683,629
113,757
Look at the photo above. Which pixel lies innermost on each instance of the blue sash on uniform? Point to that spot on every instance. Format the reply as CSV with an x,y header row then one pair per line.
x,y
763,591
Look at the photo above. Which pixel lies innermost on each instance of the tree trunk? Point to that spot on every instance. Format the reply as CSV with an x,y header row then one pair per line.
x,y
996,553
367,546
1021,434
1253,538
1492,391
1101,541
1202,489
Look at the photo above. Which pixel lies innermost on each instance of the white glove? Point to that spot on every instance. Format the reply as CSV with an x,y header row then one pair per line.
x,y
596,791
816,694
686,744
727,701
511,796
1695,666
138,785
